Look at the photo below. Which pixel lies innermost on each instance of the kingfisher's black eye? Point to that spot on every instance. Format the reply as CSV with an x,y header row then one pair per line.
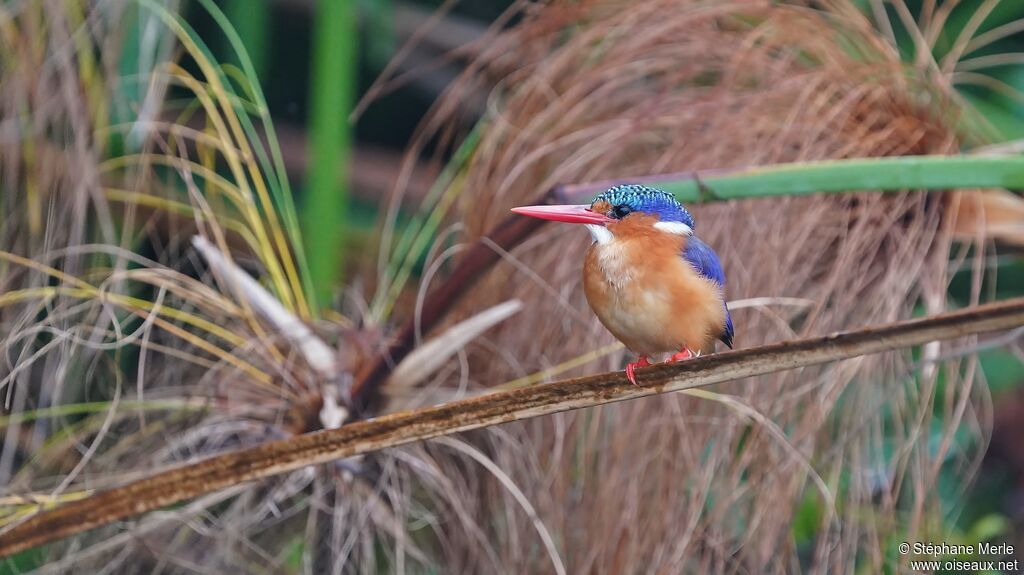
x,y
620,211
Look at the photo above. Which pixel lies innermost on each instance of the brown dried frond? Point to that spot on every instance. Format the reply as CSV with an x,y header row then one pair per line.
x,y
607,90
123,351
171,353
585,91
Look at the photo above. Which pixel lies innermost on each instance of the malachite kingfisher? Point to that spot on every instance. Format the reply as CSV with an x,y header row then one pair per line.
x,y
648,278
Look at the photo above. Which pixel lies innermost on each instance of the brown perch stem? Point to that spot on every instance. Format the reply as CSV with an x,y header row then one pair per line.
x,y
222,471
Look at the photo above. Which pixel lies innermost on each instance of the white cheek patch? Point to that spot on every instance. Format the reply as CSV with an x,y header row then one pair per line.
x,y
600,233
678,228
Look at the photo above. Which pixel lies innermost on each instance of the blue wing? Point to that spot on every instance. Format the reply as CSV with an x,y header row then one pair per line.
x,y
705,261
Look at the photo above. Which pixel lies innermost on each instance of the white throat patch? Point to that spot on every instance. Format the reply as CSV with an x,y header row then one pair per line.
x,y
600,233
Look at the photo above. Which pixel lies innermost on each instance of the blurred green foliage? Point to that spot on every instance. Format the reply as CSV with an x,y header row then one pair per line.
x,y
251,19
330,136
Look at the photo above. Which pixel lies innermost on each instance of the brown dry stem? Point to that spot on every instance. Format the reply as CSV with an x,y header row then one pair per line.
x,y
278,457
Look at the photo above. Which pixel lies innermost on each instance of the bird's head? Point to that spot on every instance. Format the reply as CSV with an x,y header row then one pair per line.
x,y
621,210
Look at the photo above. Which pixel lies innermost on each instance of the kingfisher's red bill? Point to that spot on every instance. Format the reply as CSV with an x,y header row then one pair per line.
x,y
648,278
578,214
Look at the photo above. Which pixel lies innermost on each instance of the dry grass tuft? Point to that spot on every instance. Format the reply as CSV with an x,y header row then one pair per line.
x,y
127,350
123,351
604,90
106,310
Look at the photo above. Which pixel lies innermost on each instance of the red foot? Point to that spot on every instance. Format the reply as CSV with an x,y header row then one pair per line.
x,y
631,368
685,353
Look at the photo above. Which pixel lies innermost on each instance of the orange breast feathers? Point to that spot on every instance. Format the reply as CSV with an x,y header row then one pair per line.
x,y
646,294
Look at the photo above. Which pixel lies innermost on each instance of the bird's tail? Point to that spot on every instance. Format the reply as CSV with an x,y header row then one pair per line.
x,y
728,334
